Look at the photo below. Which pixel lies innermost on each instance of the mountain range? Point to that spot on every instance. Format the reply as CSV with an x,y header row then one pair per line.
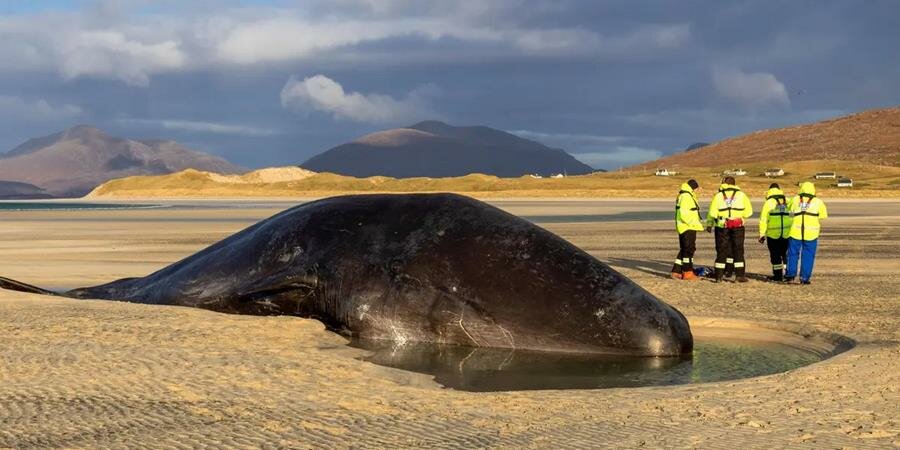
x,y
72,162
436,149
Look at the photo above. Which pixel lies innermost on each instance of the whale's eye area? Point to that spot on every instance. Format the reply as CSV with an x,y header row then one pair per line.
x,y
395,265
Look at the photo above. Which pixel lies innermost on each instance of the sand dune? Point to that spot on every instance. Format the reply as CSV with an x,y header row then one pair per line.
x,y
870,182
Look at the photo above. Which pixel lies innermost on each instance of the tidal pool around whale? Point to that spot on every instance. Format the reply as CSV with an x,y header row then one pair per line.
x,y
728,350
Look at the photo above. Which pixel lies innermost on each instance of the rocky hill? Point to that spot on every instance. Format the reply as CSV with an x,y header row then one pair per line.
x,y
436,149
871,137
74,161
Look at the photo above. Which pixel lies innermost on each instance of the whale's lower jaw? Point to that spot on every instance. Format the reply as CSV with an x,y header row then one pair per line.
x,y
638,341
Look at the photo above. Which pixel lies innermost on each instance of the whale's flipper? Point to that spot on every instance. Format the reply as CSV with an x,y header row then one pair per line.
x,y
13,285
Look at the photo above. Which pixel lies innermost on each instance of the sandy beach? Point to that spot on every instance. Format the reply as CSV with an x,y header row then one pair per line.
x,y
89,374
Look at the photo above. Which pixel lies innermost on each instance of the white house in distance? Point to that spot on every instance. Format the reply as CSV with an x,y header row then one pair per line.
x,y
735,172
774,172
824,175
665,173
845,182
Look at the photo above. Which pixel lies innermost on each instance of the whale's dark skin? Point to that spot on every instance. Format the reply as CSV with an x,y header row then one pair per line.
x,y
419,267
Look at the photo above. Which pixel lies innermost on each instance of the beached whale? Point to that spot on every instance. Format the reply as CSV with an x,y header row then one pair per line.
x,y
441,268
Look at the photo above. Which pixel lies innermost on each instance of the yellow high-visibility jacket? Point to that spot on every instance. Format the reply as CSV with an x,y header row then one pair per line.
x,y
687,210
775,217
807,210
729,203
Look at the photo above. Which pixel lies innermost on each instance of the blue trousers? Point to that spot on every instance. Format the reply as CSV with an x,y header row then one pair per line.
x,y
805,252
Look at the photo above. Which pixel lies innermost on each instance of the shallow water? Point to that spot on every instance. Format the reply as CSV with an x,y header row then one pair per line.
x,y
627,216
68,206
489,369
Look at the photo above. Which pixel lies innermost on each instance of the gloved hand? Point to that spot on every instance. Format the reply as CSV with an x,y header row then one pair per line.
x,y
762,239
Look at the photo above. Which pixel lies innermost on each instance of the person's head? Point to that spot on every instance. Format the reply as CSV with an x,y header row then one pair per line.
x,y
774,186
807,188
729,180
693,184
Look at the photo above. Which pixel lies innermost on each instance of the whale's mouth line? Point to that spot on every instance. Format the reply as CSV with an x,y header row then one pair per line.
x,y
726,350
612,352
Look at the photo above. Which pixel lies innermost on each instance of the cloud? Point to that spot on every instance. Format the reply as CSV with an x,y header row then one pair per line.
x,y
749,89
201,127
569,140
561,41
714,124
110,54
618,156
602,152
74,46
36,109
286,38
322,94
129,45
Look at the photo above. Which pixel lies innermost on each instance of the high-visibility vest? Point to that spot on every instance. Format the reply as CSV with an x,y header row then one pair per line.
x,y
775,218
807,210
687,210
729,203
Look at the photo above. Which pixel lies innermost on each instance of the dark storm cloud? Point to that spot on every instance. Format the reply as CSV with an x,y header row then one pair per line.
x,y
274,82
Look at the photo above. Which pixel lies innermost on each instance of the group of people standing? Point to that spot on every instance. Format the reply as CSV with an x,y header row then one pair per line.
x,y
790,228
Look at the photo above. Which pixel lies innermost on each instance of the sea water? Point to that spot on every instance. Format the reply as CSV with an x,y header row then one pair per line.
x,y
494,369
66,206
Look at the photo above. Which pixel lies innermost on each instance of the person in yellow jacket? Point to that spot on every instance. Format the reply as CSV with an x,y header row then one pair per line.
x,y
807,211
687,224
728,211
774,229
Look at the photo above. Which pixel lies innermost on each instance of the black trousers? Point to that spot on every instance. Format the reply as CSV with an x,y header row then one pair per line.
x,y
687,245
730,251
778,248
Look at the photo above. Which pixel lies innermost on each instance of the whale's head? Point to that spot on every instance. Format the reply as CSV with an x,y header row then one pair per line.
x,y
489,278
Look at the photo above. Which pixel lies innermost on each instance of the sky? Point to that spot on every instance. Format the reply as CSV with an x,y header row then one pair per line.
x,y
269,83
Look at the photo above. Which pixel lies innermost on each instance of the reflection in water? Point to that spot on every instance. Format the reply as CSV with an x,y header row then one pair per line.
x,y
491,369
616,217
69,206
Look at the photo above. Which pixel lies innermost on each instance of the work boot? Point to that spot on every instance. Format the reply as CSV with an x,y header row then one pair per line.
x,y
690,276
804,282
789,280
777,275
677,276
742,279
719,274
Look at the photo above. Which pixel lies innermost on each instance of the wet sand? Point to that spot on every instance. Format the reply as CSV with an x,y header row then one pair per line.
x,y
106,374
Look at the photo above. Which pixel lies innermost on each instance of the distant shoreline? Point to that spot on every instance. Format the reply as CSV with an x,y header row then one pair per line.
x,y
659,197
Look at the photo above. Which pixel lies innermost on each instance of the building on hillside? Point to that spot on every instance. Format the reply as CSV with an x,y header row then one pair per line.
x,y
559,175
845,182
826,175
735,172
665,173
535,175
774,172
